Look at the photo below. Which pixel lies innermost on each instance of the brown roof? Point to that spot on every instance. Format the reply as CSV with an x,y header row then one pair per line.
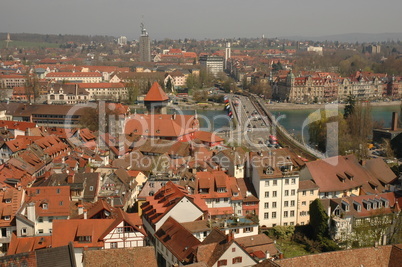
x,y
156,93
126,257
180,242
345,172
307,184
384,256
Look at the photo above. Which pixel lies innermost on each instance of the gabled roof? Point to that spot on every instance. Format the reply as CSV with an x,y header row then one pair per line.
x,y
156,93
56,198
28,244
178,240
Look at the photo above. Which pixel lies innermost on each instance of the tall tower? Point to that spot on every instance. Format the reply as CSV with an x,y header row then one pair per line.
x,y
145,46
228,52
8,40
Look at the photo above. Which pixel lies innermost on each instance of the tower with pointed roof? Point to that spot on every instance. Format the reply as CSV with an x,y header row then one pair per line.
x,y
156,100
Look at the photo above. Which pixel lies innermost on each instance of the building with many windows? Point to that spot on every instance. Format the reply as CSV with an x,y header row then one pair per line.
x,y
275,178
213,64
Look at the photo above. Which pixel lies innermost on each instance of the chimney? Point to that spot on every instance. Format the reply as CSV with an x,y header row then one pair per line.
x,y
85,214
31,211
230,236
80,209
394,123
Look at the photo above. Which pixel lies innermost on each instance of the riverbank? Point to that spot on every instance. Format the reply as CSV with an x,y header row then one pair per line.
x,y
292,106
186,107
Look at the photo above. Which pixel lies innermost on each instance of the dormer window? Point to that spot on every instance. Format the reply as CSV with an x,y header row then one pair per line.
x,y
367,204
269,170
345,206
358,206
44,206
221,190
7,218
7,200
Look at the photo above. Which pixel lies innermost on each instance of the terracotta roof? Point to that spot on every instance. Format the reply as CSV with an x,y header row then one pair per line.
x,y
17,125
28,244
156,93
56,198
161,125
100,85
10,203
207,137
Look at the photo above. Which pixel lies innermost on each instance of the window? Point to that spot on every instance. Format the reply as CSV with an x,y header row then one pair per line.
x,y
311,192
266,215
292,223
58,190
40,231
266,205
233,249
151,184
50,219
285,224
266,194
286,181
40,219
217,200
292,203
113,245
293,192
24,231
247,230
285,214
273,215
304,193
44,206
274,193
222,263
37,191
286,192
91,188
293,181
292,213
286,203
237,260
266,183
273,204
61,203
303,203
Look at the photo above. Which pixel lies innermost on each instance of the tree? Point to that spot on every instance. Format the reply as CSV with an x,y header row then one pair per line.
x,y
350,106
133,91
319,220
169,85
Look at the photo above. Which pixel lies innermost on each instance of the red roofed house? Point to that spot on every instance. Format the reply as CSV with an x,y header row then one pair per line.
x,y
208,139
119,230
10,201
170,201
84,77
42,206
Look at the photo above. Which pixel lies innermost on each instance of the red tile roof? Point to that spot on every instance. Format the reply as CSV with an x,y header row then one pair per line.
x,y
56,198
156,93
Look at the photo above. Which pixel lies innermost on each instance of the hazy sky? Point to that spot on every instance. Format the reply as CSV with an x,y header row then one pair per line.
x,y
201,18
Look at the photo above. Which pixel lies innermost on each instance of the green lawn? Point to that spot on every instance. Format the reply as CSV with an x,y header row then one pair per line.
x,y
291,249
23,44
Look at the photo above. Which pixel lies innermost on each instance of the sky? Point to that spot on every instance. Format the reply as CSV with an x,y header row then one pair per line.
x,y
201,19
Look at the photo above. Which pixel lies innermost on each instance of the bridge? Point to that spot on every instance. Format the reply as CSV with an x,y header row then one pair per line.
x,y
255,123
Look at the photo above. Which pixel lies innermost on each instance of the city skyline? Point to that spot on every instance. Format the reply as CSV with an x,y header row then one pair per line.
x,y
207,19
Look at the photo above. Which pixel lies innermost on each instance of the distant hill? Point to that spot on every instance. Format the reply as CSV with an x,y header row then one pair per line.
x,y
352,37
55,38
